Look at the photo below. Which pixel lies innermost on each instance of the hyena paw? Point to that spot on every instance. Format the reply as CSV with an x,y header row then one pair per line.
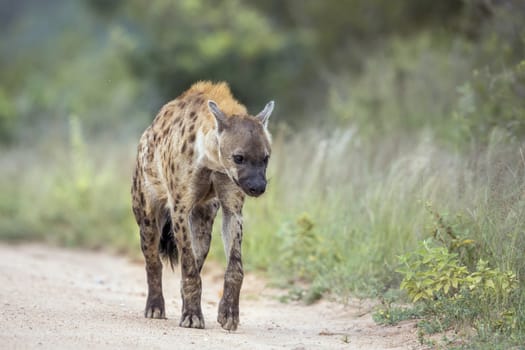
x,y
228,316
155,307
192,319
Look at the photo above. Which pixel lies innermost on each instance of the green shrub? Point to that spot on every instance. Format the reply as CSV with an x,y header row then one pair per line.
x,y
492,99
431,272
452,296
302,250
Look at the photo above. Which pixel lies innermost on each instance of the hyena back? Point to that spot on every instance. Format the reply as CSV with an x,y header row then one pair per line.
x,y
202,151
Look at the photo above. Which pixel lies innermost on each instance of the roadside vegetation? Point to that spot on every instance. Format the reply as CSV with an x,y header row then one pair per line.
x,y
398,165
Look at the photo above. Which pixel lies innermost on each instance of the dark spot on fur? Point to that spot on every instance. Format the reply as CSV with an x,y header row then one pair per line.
x,y
235,257
142,201
192,137
177,227
147,222
182,105
193,114
190,153
183,148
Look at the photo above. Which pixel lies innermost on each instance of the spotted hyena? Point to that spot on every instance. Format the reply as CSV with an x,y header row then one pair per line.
x,y
202,152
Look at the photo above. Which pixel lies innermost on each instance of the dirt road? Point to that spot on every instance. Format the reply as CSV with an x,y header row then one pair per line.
x,y
53,298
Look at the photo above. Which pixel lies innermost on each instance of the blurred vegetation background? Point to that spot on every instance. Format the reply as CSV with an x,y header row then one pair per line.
x,y
396,122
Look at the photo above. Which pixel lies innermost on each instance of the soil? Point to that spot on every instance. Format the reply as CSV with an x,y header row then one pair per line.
x,y
53,298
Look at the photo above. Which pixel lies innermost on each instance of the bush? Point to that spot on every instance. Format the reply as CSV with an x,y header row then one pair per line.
x,y
491,100
450,292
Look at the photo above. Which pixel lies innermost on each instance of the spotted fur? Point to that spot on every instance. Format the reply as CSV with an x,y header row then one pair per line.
x,y
202,152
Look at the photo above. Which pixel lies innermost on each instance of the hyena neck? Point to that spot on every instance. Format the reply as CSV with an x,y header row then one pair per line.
x,y
207,150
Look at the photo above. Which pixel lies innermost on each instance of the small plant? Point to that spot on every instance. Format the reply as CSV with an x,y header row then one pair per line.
x,y
453,235
451,290
305,257
300,249
430,272
452,295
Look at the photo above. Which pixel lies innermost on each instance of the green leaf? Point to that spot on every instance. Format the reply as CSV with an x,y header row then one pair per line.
x,y
490,284
417,297
446,288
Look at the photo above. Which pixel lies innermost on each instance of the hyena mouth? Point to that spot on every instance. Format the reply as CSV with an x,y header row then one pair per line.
x,y
252,189
243,188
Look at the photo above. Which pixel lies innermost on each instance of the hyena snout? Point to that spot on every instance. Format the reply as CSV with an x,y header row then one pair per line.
x,y
253,186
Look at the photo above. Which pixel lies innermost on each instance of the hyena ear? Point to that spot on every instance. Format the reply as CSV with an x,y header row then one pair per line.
x,y
220,117
264,115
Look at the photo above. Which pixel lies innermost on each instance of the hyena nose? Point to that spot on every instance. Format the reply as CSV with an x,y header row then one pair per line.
x,y
257,188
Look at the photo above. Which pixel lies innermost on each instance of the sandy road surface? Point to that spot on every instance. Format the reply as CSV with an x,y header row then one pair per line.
x,y
54,298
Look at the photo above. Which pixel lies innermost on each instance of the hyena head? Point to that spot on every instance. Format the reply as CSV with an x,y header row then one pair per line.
x,y
244,147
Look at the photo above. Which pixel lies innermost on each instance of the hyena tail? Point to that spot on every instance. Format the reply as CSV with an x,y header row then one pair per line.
x,y
167,245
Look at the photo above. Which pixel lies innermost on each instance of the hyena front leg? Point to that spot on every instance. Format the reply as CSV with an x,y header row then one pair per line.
x,y
191,285
201,223
149,240
231,199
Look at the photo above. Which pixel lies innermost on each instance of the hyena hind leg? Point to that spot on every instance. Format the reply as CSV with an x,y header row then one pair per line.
x,y
149,239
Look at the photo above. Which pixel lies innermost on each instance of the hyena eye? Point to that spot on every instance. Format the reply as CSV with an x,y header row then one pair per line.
x,y
265,160
238,159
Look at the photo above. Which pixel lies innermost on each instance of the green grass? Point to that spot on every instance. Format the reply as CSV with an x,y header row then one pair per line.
x,y
338,212
341,210
70,193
